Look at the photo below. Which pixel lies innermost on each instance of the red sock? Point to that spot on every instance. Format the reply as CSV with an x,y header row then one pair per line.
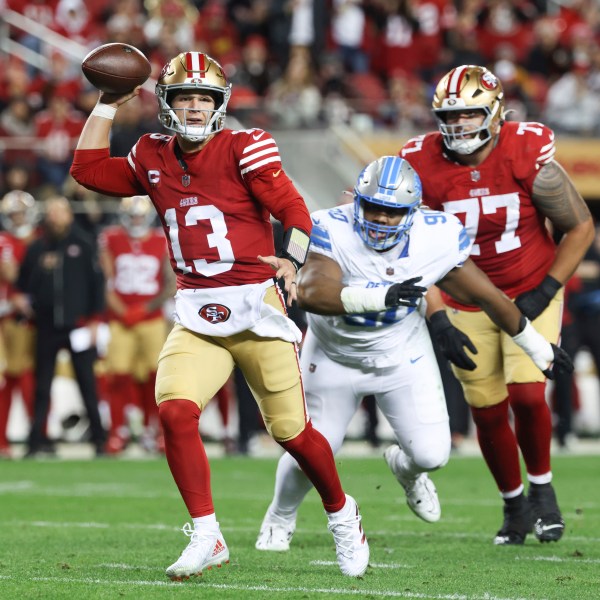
x,y
498,445
223,397
148,400
313,453
5,402
533,425
186,455
120,388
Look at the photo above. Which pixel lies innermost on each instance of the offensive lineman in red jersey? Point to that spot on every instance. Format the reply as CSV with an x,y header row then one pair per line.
x,y
213,190
139,280
501,180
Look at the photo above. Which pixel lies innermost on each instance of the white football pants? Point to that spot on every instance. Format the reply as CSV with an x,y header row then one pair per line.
x,y
410,396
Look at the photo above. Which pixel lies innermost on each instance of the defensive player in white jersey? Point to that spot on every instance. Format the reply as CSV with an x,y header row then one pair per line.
x,y
214,190
357,345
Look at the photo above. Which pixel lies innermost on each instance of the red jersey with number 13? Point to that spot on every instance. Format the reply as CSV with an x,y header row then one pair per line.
x,y
215,205
493,200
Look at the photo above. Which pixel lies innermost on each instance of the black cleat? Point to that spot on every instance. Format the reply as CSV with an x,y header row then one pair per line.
x,y
549,525
517,522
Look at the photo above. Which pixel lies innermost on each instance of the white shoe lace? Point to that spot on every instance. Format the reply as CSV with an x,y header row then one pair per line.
x,y
197,538
344,533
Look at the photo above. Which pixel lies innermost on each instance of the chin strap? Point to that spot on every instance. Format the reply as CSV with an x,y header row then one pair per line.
x,y
295,246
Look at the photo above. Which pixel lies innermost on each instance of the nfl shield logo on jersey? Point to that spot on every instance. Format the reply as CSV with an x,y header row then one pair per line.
x,y
475,175
389,271
186,180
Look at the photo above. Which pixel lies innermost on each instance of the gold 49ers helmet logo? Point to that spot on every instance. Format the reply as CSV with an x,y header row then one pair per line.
x,y
214,313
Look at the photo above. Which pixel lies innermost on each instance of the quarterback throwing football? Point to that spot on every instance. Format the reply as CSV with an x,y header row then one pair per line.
x,y
214,190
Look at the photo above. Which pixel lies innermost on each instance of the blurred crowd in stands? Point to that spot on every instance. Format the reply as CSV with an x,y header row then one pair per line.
x,y
296,64
301,64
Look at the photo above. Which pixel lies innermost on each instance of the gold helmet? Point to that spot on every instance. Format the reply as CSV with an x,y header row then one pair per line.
x,y
18,212
469,87
192,71
136,215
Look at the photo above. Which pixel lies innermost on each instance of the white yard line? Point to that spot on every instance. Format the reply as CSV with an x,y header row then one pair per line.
x,y
561,559
234,529
274,590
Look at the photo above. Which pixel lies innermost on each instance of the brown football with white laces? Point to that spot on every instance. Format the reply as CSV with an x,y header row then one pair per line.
x,y
116,68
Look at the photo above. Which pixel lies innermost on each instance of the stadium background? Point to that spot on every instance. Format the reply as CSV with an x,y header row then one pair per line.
x,y
338,82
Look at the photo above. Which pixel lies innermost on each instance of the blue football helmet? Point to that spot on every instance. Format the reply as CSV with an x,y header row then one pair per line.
x,y
387,182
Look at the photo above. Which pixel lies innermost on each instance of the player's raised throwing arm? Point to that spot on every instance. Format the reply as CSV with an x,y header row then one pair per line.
x,y
95,134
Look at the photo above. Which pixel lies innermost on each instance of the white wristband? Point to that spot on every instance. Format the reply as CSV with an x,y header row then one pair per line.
x,y
360,300
535,345
105,111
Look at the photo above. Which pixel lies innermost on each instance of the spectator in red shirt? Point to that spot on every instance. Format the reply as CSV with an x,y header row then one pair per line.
x,y
58,127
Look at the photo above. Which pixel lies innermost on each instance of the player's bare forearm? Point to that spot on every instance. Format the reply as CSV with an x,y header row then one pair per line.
x,y
96,130
555,196
469,285
95,134
114,302
320,285
571,250
435,302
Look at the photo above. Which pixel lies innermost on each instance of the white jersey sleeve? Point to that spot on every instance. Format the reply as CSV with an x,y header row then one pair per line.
x,y
436,244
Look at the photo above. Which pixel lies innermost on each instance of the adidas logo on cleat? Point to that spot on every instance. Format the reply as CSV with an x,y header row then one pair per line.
x,y
218,548
198,554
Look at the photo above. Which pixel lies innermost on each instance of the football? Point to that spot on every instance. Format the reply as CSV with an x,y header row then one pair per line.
x,y
116,68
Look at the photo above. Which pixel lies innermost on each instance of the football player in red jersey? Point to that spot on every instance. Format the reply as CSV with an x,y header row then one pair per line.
x,y
214,190
139,280
501,180
18,215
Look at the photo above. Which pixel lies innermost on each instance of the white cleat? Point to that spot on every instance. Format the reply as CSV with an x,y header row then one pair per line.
x,y
206,549
275,533
351,546
421,495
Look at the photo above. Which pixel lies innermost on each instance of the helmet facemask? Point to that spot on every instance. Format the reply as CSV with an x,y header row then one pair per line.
x,y
464,138
192,72
18,213
465,89
388,183
136,214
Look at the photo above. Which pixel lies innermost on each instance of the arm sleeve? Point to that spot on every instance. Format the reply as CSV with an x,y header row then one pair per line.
x,y
97,171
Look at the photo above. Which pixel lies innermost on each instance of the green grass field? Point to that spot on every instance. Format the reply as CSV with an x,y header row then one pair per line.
x,y
107,529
